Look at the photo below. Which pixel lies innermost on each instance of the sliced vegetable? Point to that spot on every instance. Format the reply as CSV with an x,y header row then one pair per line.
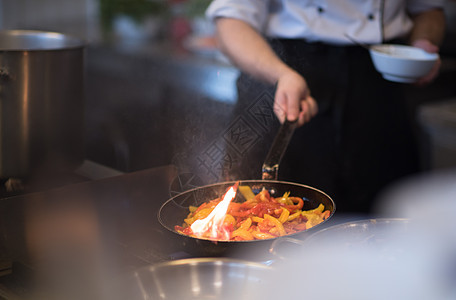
x,y
260,216
247,192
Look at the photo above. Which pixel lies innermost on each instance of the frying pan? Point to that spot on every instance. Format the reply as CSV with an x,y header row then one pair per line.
x,y
175,210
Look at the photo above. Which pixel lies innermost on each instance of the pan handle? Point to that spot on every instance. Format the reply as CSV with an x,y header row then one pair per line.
x,y
270,167
274,249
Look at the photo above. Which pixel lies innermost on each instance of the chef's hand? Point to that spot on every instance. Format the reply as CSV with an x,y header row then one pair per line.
x,y
293,100
431,48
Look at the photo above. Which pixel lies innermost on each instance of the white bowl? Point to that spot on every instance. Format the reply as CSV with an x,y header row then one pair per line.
x,y
402,63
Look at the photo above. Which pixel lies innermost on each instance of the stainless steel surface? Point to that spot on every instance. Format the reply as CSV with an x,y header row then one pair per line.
x,y
270,167
375,232
41,101
369,231
201,278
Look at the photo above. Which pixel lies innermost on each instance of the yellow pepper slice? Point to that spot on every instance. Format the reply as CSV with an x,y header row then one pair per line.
x,y
229,219
276,223
262,235
284,215
246,191
317,210
294,216
245,225
244,234
257,219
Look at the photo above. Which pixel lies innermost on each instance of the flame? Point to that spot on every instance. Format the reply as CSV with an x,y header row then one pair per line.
x,y
212,225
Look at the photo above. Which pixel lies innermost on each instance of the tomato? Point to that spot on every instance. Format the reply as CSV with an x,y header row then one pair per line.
x,y
265,208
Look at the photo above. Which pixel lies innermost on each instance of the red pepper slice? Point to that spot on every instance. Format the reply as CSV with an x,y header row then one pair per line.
x,y
295,207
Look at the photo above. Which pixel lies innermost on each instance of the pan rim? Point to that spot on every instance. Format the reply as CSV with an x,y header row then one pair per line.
x,y
193,190
204,261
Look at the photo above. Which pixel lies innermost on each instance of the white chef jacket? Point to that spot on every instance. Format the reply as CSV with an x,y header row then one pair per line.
x,y
329,21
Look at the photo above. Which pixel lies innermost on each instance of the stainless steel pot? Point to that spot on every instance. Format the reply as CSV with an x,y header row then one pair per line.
x,y
198,278
375,233
41,101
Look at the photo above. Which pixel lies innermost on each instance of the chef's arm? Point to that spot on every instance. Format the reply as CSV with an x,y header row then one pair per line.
x,y
427,33
429,25
249,51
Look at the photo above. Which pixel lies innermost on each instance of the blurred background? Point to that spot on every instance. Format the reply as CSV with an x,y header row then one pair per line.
x,y
151,66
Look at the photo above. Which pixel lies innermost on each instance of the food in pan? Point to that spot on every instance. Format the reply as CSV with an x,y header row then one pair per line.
x,y
260,217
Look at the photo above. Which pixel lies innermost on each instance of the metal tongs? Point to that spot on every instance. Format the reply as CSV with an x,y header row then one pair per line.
x,y
364,45
270,167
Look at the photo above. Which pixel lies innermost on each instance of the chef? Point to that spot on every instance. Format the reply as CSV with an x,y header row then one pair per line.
x,y
358,135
